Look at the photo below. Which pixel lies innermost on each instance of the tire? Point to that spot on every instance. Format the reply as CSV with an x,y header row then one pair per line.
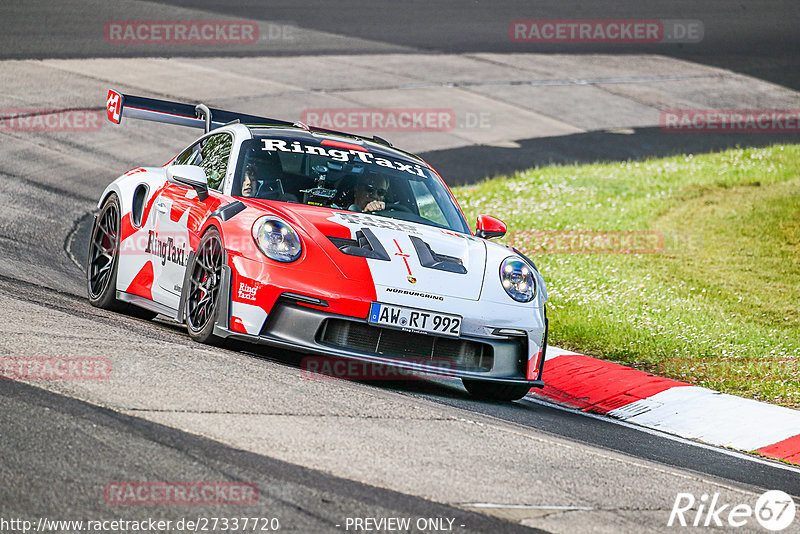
x,y
205,279
496,391
103,263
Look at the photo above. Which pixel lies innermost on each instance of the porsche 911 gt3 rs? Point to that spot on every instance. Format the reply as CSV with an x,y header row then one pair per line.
x,y
319,242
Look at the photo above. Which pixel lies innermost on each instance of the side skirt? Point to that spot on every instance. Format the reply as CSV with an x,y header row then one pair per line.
x,y
147,304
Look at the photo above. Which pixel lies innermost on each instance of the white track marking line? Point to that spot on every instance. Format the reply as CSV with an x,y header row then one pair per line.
x,y
524,506
736,454
699,413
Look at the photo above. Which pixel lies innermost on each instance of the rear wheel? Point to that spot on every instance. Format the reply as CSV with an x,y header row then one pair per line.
x,y
101,268
498,391
103,264
202,302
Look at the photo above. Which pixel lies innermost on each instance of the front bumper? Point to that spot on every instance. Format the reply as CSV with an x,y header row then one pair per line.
x,y
297,327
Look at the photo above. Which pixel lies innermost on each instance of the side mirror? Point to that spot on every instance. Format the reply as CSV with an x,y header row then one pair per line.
x,y
189,176
490,227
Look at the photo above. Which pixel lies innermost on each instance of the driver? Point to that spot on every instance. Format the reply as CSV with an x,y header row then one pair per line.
x,y
370,190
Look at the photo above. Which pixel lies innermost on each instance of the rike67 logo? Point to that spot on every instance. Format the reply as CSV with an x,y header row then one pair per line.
x,y
774,511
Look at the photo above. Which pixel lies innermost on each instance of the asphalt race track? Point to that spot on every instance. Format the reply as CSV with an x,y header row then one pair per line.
x,y
323,451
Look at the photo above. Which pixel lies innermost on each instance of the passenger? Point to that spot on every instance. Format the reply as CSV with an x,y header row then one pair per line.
x,y
250,182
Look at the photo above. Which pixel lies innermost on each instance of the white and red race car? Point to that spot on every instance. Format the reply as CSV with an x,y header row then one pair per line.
x,y
319,242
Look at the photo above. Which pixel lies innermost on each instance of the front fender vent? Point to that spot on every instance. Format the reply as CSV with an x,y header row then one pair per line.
x,y
365,245
139,198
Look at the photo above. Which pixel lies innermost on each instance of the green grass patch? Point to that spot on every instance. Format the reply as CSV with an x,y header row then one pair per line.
x,y
715,302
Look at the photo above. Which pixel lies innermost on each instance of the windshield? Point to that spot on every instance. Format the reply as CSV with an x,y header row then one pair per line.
x,y
346,176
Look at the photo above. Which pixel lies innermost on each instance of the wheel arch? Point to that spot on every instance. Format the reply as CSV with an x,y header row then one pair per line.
x,y
212,222
222,321
111,190
221,219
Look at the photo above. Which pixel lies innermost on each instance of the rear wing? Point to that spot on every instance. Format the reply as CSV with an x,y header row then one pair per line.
x,y
199,116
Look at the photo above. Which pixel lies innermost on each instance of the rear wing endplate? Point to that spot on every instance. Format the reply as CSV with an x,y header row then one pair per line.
x,y
119,105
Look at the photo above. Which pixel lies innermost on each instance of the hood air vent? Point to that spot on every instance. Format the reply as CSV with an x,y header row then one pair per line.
x,y
365,245
428,258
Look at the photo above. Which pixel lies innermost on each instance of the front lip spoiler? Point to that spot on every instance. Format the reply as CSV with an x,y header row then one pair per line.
x,y
337,352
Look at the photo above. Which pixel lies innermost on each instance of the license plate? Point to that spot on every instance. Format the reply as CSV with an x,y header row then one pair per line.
x,y
414,320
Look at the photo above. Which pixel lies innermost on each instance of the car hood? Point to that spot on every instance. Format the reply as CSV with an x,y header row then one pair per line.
x,y
401,255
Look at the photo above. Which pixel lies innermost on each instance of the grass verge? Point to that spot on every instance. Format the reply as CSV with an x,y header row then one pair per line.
x,y
687,267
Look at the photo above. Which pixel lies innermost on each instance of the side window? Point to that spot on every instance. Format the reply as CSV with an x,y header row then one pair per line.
x,y
188,156
214,154
428,207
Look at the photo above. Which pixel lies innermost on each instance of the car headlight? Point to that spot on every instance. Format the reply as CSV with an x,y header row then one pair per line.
x,y
276,239
517,279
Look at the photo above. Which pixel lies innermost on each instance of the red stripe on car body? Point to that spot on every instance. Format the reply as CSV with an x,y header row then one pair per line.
x,y
142,283
404,256
126,227
340,144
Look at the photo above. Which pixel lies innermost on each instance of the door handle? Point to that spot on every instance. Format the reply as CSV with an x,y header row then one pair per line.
x,y
162,207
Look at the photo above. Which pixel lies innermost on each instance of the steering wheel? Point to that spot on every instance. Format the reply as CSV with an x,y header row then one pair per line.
x,y
395,206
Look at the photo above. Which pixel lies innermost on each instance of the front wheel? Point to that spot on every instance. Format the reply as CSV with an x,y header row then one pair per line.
x,y
497,391
202,302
